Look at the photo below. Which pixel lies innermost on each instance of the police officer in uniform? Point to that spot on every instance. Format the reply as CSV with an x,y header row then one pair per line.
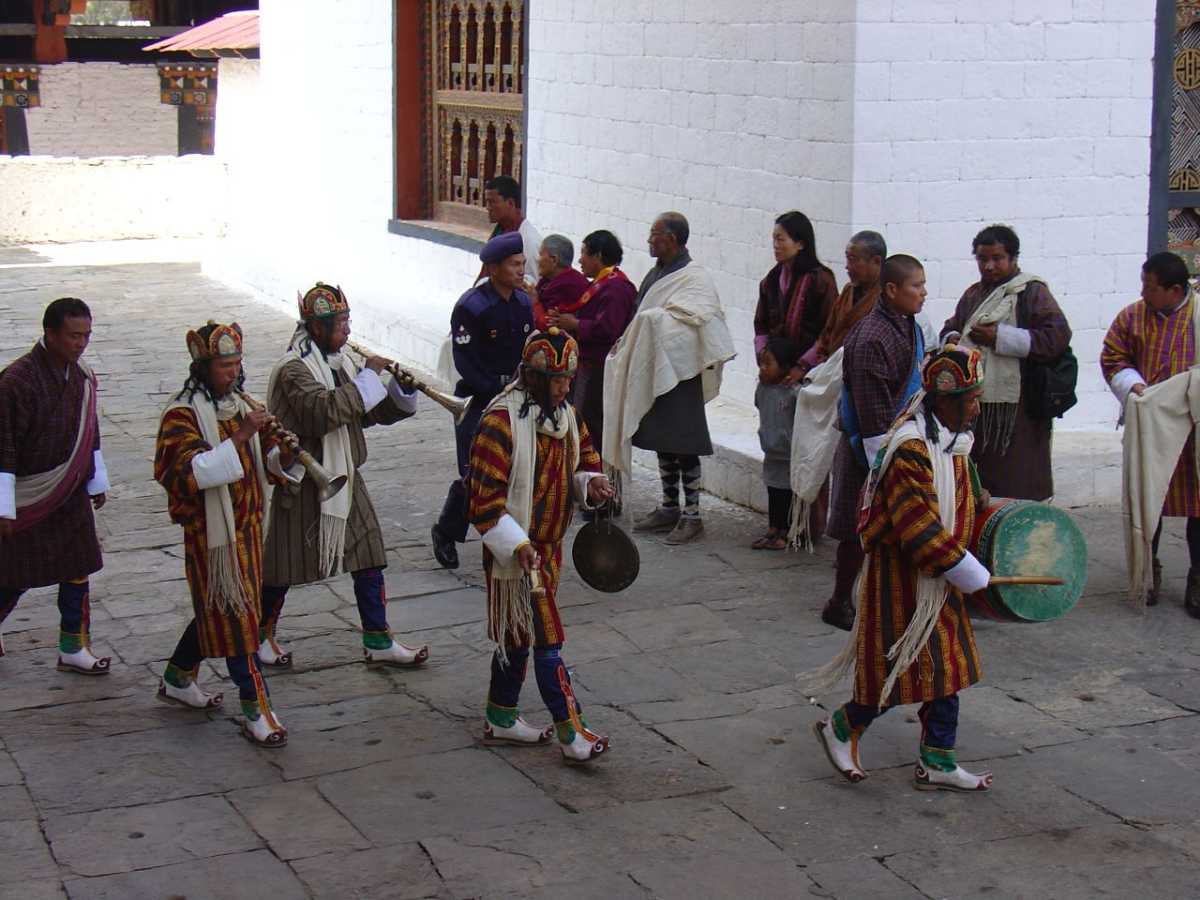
x,y
488,327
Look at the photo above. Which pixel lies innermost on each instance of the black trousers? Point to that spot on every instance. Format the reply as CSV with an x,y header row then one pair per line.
x,y
779,506
453,520
1193,540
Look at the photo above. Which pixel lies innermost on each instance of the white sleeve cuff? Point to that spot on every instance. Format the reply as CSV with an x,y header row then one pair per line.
x,y
1012,341
1122,383
406,401
871,447
99,483
969,575
8,495
217,467
294,473
505,537
370,385
582,480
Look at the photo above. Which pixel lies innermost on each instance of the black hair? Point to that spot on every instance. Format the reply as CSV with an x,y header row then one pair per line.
x,y
784,350
506,187
62,309
197,380
998,234
1168,269
605,245
677,224
800,228
537,390
898,268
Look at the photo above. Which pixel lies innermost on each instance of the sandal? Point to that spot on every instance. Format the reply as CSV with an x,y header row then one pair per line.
x,y
775,543
763,542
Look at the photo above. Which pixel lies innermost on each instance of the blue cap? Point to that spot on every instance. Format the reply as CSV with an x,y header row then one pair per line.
x,y
501,247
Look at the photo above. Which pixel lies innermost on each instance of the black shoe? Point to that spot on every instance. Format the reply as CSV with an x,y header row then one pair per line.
x,y
444,550
1156,585
839,614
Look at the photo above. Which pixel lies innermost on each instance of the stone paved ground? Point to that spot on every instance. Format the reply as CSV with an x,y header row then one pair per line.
x,y
714,787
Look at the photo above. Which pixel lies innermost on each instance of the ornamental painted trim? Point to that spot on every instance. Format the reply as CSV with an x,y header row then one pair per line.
x,y
190,84
19,86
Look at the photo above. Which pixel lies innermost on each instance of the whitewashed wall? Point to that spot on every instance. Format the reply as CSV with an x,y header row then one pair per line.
x,y
60,199
1031,112
102,109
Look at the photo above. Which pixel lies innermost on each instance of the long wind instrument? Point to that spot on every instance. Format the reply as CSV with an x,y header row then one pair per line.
x,y
327,485
456,406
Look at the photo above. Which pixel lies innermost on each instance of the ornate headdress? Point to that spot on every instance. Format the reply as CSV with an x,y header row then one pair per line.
x,y
222,341
321,301
953,370
551,352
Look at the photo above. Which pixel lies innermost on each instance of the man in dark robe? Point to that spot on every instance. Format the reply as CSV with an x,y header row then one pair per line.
x,y
52,475
1014,320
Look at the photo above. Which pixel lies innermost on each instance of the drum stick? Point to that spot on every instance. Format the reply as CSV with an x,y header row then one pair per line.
x,y
1024,579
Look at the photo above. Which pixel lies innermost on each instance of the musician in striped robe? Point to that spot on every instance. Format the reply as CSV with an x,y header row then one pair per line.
x,y
919,510
531,460
209,458
1147,343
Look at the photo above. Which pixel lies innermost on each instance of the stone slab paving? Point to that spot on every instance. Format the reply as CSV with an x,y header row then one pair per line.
x,y
714,786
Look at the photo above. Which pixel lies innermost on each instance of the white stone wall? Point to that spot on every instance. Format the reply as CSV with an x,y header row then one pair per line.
x,y
1035,113
60,199
102,109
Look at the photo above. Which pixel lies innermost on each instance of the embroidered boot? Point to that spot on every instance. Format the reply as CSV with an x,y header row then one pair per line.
x,y
261,727
840,743
271,654
504,725
190,696
82,662
378,653
938,770
1191,600
579,745
1156,586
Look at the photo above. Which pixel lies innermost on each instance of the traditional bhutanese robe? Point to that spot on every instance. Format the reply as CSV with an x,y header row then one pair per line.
x,y
1022,470
794,304
1156,346
491,462
39,423
903,536
221,634
851,307
305,407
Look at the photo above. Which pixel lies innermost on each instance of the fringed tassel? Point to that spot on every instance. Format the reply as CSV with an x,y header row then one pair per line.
x,y
995,425
226,591
332,546
799,535
510,613
825,679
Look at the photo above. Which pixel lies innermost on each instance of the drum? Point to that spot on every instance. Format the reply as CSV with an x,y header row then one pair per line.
x,y
1020,537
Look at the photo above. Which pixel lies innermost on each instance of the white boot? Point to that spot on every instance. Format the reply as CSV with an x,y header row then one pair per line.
x,y
190,696
843,755
929,779
520,732
397,656
83,662
265,731
586,747
271,654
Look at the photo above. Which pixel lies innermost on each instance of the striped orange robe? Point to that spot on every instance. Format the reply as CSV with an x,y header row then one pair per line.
x,y
487,488
1158,346
179,439
903,536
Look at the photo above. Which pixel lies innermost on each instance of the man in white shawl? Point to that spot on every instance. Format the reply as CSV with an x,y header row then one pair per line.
x,y
912,640
660,374
319,395
212,457
531,461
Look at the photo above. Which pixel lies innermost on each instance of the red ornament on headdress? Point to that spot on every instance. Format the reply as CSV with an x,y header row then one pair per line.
x,y
551,352
223,341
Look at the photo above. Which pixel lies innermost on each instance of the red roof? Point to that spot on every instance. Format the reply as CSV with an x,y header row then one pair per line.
x,y
232,31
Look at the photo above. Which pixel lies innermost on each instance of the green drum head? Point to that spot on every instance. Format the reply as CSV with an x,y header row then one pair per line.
x,y
1037,539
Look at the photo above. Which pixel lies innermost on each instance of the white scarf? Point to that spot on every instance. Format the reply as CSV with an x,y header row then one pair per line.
x,y
931,593
814,441
508,594
226,587
1002,388
336,455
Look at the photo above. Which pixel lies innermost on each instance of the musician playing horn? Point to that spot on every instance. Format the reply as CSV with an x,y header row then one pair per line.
x,y
318,393
213,457
531,460
913,641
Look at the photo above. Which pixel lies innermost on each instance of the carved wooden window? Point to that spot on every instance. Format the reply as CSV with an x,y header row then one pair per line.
x,y
476,102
